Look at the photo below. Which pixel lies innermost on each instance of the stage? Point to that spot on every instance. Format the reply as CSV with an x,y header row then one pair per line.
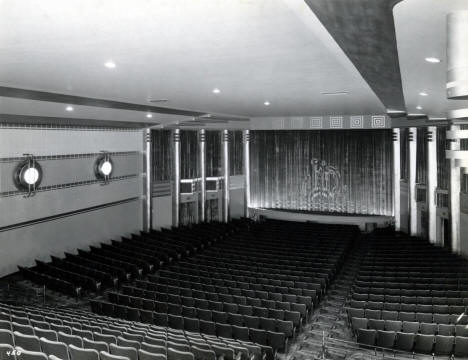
x,y
325,217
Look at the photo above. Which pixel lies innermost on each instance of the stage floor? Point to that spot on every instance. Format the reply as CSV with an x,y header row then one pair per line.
x,y
325,217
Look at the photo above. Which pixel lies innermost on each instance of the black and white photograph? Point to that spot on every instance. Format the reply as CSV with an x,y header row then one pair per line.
x,y
233,179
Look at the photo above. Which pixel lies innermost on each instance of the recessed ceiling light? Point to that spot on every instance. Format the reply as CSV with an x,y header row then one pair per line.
x,y
422,93
335,93
216,91
432,60
110,65
69,108
419,107
149,115
266,103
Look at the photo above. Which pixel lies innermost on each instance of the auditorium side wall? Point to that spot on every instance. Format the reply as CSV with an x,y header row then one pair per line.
x,y
72,209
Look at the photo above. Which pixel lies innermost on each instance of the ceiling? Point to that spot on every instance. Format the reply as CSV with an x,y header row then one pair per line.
x,y
252,50
421,32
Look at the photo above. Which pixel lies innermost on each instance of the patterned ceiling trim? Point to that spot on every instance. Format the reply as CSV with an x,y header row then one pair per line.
x,y
322,122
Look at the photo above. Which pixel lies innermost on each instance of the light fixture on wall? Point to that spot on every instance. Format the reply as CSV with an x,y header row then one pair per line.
x,y
28,175
423,93
104,167
266,103
419,107
69,108
149,116
216,91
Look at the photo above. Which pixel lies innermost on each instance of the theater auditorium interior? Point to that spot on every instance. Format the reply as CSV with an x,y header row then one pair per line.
x,y
233,179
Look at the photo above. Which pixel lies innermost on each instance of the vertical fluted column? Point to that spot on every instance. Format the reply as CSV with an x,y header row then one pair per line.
x,y
246,154
176,194
455,188
412,138
431,139
226,193
202,148
148,182
396,178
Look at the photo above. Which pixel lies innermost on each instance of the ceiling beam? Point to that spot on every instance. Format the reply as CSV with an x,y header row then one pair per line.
x,y
365,31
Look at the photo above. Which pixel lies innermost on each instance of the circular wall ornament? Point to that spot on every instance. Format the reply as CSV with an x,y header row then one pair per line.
x,y
28,175
104,167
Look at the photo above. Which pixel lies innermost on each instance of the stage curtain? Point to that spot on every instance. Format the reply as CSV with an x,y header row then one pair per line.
x,y
329,171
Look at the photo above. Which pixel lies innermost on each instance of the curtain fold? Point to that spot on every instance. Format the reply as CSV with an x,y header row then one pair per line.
x,y
327,171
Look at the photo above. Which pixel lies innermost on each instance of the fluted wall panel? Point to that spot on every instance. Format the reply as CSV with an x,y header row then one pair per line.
x,y
236,153
189,155
213,153
443,164
162,155
404,148
421,156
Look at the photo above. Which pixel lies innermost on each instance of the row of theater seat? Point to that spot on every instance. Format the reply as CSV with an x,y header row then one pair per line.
x,y
409,327
430,299
401,300
85,331
437,345
406,305
408,316
112,264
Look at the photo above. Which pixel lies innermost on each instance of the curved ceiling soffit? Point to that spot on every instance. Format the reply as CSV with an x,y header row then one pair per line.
x,y
365,31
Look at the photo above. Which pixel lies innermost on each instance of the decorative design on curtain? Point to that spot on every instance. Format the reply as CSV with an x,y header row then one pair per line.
x,y
189,154
162,155
213,154
421,156
212,210
236,153
404,153
328,170
443,164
